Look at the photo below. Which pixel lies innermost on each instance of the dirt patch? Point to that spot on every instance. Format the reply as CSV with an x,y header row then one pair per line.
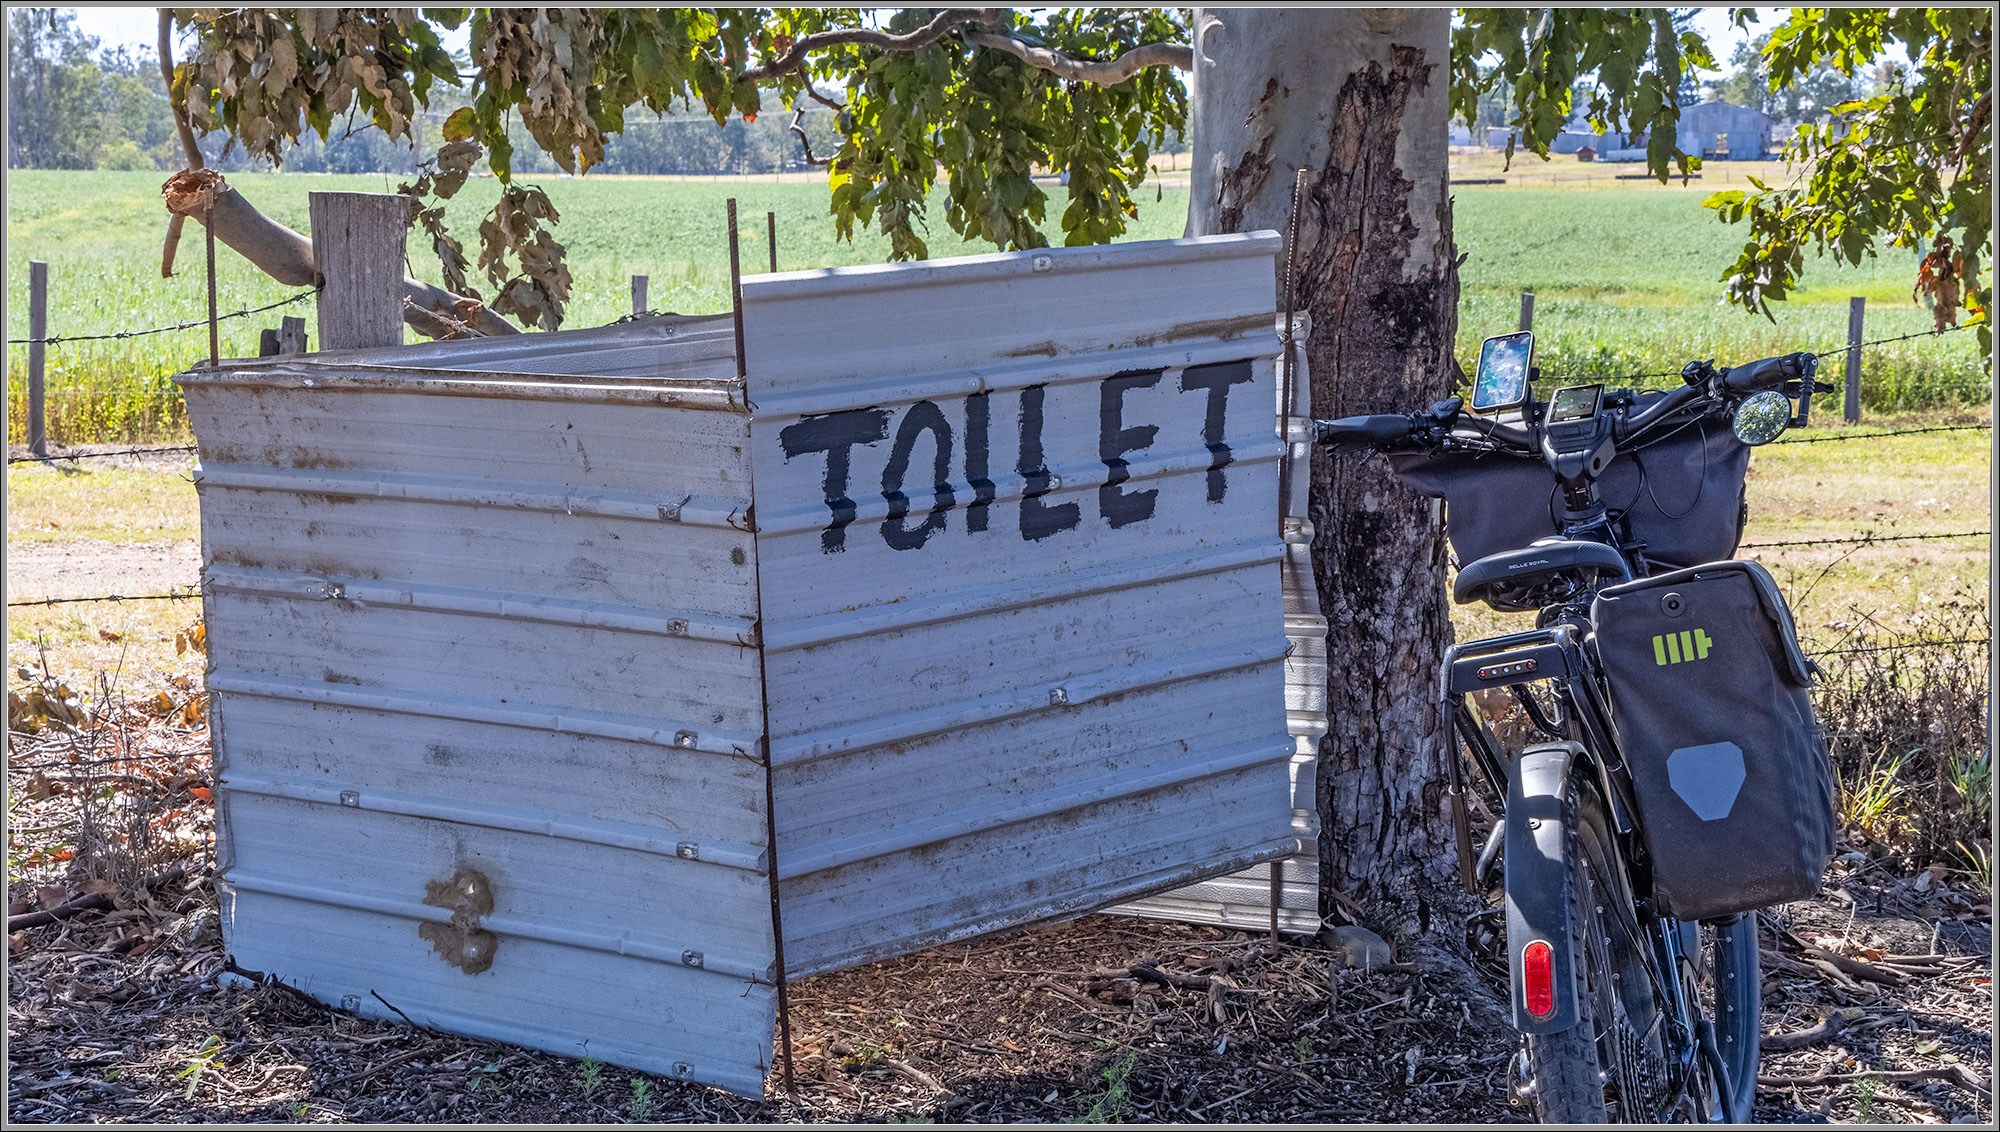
x,y
93,567
123,1013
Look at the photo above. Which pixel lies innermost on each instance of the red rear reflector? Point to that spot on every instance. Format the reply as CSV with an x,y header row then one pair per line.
x,y
1538,982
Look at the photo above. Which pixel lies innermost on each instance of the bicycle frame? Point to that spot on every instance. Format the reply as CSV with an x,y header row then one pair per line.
x,y
1537,902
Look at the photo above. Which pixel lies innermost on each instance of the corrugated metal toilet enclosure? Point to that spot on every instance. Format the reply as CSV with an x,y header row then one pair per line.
x,y
564,683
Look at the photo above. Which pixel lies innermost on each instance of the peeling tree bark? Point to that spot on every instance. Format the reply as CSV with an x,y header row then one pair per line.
x,y
1357,97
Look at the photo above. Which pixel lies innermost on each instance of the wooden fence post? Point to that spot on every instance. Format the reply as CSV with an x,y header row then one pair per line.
x,y
1855,308
639,283
292,335
771,225
358,247
38,329
1527,310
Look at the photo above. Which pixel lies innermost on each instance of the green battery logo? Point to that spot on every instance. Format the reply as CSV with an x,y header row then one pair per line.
x,y
1688,644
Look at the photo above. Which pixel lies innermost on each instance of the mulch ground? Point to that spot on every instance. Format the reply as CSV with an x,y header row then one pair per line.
x,y
1878,997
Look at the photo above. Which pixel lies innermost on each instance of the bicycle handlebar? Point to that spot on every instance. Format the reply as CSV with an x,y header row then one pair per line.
x,y
1715,389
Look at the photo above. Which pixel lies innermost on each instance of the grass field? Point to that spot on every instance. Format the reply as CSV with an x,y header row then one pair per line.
x,y
1624,277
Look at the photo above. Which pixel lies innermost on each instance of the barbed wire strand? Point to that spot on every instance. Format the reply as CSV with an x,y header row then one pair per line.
x,y
1907,645
188,596
1841,349
59,339
64,763
99,455
1882,435
1864,539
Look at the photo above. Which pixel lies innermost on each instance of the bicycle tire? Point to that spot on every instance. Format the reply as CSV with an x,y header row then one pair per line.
x,y
1729,994
1572,1067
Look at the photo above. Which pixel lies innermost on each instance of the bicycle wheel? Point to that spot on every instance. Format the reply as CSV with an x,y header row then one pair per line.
x,y
1596,1071
1724,985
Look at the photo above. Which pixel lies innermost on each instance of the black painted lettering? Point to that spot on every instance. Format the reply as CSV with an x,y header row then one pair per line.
x,y
976,451
835,434
1038,519
1216,379
922,417
1118,506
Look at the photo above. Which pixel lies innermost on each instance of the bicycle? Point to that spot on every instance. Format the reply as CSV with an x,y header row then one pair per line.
x,y
1630,924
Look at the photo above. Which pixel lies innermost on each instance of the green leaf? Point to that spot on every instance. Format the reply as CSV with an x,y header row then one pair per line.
x,y
461,125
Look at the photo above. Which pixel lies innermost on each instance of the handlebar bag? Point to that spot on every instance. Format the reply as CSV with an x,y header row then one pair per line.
x,y
1683,495
1710,697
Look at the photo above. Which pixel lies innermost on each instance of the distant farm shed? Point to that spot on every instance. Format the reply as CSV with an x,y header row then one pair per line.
x,y
1725,130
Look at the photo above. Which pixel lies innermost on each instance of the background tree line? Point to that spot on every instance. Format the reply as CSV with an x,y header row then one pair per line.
x,y
76,105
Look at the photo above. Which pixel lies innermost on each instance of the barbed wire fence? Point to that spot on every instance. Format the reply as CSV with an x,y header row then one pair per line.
x,y
194,592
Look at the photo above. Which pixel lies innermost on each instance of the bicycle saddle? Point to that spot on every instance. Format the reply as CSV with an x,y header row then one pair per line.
x,y
1515,581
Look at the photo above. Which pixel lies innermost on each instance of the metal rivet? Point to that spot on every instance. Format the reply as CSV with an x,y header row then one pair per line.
x,y
1534,823
688,850
350,1002
1044,262
677,627
691,958
350,797
1058,696
1055,483
685,739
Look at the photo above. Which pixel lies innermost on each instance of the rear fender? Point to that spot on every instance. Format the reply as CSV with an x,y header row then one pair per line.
x,y
1538,879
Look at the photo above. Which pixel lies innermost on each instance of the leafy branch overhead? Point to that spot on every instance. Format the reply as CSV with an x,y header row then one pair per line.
x,y
1910,167
981,98
988,95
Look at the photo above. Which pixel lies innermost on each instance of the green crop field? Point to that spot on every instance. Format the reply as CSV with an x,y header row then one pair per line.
x,y
1624,278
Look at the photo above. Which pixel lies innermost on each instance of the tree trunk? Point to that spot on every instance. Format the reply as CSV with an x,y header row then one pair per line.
x,y
1357,97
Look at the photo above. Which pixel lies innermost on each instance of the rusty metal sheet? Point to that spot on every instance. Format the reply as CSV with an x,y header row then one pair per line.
x,y
486,695
1021,585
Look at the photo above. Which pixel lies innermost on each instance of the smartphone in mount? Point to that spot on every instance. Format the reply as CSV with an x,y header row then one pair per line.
x,y
1501,384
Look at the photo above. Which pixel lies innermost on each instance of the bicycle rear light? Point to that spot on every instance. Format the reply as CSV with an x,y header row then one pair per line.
x,y
1538,984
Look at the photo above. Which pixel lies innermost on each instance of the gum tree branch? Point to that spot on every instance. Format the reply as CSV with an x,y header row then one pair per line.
x,y
1105,73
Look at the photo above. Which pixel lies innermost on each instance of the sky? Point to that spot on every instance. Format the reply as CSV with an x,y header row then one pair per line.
x,y
139,27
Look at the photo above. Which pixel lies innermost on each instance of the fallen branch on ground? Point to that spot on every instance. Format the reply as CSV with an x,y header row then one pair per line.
x,y
92,902
1950,1074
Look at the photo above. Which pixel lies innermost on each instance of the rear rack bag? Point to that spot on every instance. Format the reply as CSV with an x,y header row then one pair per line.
x,y
1710,696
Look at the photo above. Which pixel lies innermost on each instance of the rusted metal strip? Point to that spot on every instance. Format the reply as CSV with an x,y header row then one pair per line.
x,y
214,337
1285,407
736,285
764,682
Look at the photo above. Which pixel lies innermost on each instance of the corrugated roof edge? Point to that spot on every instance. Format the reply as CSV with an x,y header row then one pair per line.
x,y
353,377
661,328
826,282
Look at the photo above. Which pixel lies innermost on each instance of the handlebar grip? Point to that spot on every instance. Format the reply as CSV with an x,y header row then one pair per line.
x,y
1376,430
1767,373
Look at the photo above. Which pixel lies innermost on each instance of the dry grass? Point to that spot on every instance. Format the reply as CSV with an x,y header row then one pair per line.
x,y
136,502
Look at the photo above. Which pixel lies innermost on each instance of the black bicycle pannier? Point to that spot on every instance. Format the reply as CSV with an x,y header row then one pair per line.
x,y
1683,495
1711,701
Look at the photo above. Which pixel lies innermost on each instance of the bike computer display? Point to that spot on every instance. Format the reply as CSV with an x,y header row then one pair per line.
x,y
1574,403
1502,380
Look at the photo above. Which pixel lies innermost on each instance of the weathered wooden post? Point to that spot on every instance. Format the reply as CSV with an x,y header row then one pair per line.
x,y
292,335
358,241
639,283
1855,308
1527,310
38,330
771,225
